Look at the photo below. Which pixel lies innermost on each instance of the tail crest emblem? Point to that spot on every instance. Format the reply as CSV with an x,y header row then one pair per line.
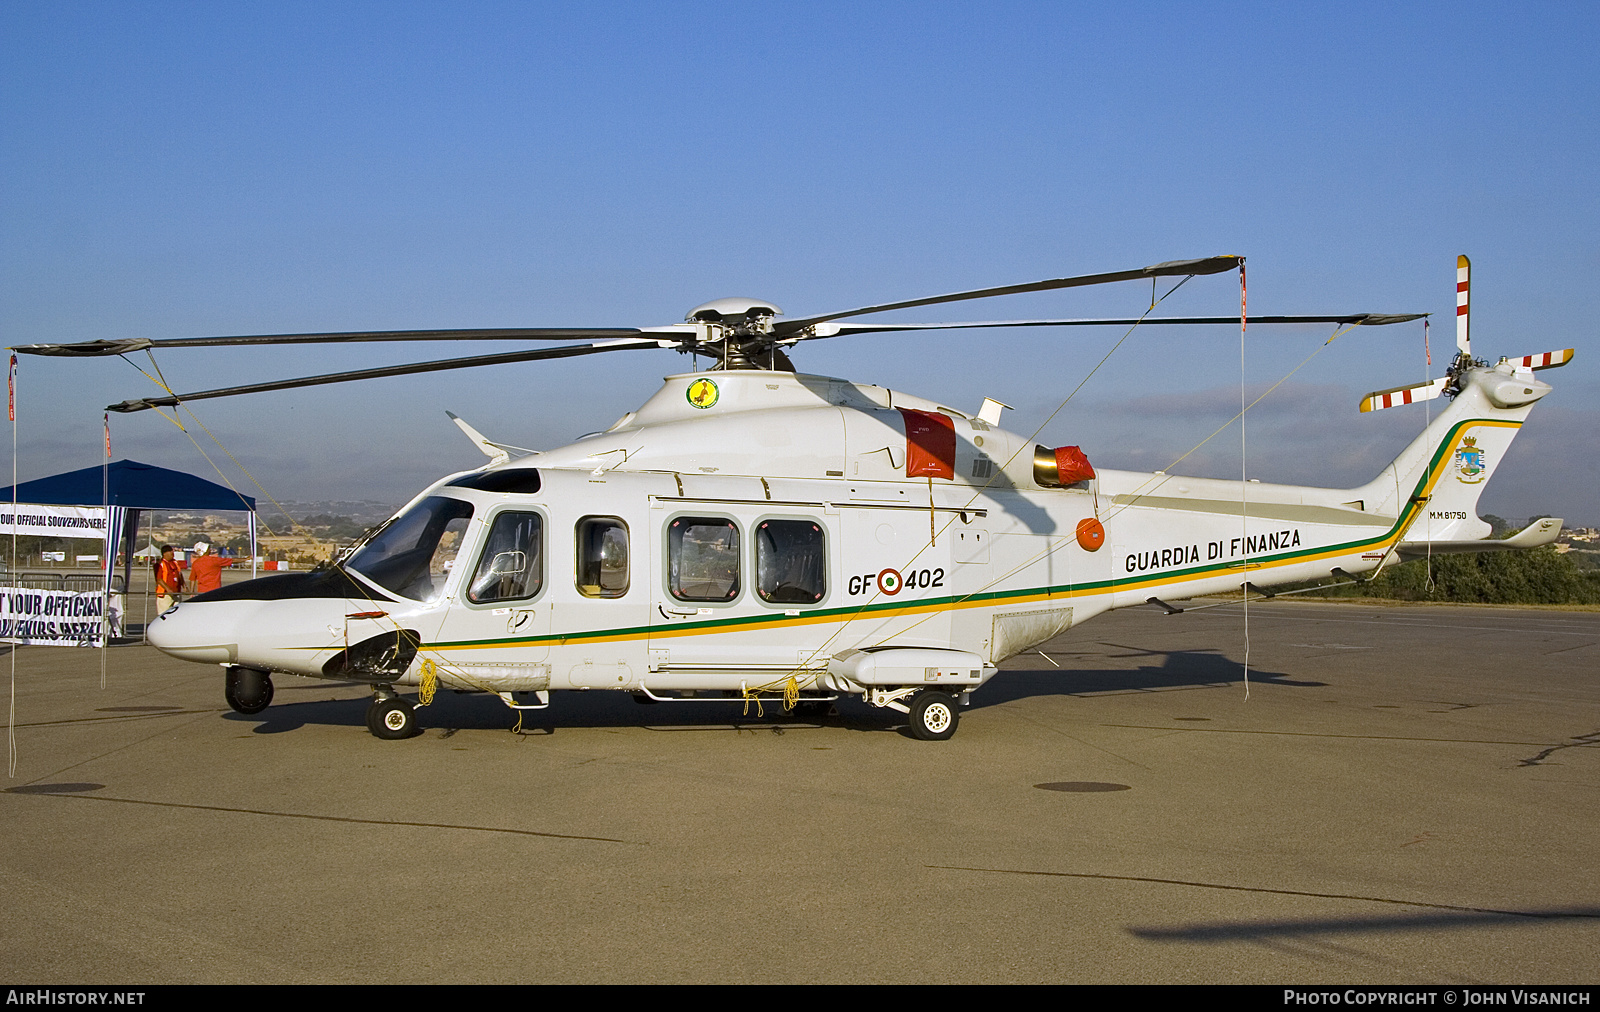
x,y
1470,463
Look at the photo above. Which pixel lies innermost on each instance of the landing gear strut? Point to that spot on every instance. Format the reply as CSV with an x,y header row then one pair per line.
x,y
390,717
247,690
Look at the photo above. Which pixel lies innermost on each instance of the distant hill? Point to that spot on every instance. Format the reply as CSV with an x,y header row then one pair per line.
x,y
365,512
329,527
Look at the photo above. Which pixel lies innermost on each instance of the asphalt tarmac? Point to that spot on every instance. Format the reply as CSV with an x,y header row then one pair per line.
x,y
1407,795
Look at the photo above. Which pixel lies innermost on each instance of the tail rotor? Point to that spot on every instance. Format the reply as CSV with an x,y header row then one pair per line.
x,y
1449,385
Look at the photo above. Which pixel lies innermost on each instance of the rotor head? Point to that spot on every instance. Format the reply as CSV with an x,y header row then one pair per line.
x,y
732,311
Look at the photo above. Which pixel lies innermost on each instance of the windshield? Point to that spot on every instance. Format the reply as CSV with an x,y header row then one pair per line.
x,y
413,555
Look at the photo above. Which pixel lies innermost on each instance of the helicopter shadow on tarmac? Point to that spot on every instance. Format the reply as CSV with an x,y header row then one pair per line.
x,y
451,712
1177,669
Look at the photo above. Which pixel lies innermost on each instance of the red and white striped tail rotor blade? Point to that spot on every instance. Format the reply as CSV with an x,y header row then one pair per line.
x,y
1404,395
1463,287
1548,360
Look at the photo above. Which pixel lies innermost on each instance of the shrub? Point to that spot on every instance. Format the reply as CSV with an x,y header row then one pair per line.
x,y
1535,576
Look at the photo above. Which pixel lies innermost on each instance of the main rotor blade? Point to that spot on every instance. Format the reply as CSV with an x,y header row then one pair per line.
x,y
409,369
113,346
1175,268
1353,319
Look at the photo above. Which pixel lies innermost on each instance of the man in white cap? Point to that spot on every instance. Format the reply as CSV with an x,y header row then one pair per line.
x,y
207,568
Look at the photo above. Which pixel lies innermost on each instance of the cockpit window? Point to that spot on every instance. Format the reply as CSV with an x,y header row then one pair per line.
x,y
413,555
511,567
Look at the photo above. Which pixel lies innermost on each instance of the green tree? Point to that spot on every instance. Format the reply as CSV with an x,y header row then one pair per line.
x,y
1501,527
1537,576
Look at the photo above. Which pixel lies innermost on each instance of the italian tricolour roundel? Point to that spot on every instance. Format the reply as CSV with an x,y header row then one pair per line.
x,y
889,582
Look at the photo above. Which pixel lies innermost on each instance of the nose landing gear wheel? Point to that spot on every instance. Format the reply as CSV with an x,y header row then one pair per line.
x,y
247,690
392,719
934,716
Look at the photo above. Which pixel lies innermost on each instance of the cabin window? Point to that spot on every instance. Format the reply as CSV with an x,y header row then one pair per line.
x,y
790,562
511,567
703,559
602,557
413,554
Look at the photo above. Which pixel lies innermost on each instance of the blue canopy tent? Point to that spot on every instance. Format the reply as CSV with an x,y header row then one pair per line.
x,y
131,485
128,488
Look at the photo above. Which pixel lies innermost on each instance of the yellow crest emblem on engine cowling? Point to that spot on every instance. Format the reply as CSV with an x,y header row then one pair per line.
x,y
703,393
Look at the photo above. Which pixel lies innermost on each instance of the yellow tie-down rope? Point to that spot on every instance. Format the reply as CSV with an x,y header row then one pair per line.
x,y
430,683
752,694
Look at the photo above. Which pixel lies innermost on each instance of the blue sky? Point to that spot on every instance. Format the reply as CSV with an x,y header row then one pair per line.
x,y
181,170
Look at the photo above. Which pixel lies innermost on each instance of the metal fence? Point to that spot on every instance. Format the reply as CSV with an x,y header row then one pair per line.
x,y
77,583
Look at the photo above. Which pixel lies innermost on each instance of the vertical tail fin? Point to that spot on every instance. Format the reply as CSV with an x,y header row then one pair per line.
x,y
1445,469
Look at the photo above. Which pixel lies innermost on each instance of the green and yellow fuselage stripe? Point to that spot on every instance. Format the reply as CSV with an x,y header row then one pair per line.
x,y
987,599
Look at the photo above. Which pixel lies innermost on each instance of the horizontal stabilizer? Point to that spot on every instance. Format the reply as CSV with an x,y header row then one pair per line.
x,y
1540,532
1548,360
1404,395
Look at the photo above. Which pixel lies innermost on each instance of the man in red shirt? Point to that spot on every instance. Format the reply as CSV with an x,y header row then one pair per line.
x,y
169,580
207,568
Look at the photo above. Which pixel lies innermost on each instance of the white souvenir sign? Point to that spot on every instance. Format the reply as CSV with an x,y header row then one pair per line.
x,y
54,521
55,617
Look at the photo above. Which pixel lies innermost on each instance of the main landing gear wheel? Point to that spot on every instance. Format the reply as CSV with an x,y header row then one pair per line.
x,y
247,690
934,716
392,718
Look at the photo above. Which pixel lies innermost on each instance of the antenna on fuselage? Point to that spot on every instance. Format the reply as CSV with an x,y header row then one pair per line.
x,y
498,453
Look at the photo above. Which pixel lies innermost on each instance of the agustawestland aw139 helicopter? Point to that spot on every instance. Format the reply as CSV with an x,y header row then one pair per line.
x,y
753,532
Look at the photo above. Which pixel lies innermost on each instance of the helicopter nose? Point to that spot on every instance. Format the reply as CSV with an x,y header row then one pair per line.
x,y
205,631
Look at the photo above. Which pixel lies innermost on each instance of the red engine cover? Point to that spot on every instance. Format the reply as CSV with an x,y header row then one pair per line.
x,y
930,444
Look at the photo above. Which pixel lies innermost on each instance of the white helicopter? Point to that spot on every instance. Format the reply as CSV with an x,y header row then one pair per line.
x,y
755,533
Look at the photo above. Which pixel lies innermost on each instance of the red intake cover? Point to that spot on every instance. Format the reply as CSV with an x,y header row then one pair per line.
x,y
1072,466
